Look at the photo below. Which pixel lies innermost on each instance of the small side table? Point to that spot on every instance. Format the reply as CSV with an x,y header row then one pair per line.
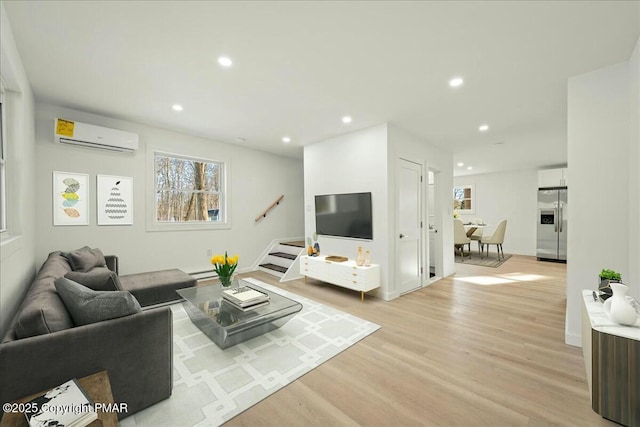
x,y
612,361
97,387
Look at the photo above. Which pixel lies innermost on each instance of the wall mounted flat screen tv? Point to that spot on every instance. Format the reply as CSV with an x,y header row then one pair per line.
x,y
344,215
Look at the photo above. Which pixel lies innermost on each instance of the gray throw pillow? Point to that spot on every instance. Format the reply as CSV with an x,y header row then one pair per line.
x,y
89,306
84,259
98,279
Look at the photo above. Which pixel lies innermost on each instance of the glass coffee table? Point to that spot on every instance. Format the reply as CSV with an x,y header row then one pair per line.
x,y
225,324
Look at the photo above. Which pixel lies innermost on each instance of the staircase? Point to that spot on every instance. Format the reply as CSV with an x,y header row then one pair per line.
x,y
282,260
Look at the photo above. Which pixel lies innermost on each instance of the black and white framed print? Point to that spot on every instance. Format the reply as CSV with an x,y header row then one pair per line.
x,y
115,200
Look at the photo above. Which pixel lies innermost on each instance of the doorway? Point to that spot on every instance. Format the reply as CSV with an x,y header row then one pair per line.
x,y
434,251
408,226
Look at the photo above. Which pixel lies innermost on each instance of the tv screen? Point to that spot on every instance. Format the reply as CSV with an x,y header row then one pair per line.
x,y
344,215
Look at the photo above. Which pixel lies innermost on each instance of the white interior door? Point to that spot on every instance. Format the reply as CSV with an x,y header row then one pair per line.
x,y
409,232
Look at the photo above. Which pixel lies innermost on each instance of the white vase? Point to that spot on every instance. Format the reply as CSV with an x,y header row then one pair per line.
x,y
617,307
360,257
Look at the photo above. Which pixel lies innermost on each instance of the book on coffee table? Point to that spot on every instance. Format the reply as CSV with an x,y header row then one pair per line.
x,y
65,405
247,307
245,296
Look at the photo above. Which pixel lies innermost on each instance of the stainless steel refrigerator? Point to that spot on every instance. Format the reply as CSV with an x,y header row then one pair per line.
x,y
552,224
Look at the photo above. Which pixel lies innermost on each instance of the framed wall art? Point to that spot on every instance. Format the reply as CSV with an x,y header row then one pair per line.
x,y
464,199
70,198
115,200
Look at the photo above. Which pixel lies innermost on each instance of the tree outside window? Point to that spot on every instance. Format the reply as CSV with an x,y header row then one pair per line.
x,y
188,190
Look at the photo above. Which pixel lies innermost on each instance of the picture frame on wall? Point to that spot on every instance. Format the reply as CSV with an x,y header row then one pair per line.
x,y
115,200
464,199
70,198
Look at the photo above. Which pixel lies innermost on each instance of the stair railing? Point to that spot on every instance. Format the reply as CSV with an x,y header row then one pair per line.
x,y
266,211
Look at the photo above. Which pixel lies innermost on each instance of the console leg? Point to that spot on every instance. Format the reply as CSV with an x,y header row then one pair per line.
x,y
362,295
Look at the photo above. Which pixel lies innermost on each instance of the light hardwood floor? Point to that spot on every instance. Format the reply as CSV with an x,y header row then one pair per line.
x,y
455,353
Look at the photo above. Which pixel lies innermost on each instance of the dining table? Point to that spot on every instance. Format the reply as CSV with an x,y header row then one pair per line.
x,y
471,228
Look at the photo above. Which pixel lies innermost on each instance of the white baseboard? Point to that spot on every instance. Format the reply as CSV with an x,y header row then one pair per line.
x,y
573,339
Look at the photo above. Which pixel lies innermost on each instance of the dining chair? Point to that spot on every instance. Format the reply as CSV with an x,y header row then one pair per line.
x,y
460,238
477,234
497,238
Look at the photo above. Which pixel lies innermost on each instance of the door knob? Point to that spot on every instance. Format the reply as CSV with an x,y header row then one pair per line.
x,y
402,235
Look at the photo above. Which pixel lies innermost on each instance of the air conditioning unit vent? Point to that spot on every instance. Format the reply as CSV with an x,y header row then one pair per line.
x,y
92,136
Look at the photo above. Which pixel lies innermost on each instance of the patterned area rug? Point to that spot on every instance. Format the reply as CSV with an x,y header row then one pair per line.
x,y
211,386
487,261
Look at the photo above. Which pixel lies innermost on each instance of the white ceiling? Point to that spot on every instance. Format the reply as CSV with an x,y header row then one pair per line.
x,y
300,66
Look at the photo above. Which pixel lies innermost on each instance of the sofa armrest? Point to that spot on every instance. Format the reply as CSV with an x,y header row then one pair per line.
x,y
135,350
112,263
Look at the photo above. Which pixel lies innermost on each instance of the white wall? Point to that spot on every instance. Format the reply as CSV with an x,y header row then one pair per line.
x,y
365,160
351,163
256,180
600,143
634,172
508,195
17,245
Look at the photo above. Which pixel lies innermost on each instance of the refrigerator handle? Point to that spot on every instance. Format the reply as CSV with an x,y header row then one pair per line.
x,y
560,218
555,220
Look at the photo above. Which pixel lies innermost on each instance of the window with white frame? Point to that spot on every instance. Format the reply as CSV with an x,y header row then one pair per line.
x,y
3,163
463,199
188,190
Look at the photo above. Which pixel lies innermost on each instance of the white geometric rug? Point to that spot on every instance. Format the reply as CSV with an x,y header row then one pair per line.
x,y
211,386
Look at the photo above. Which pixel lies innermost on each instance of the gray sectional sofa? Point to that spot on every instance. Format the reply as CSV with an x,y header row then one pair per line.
x,y
44,347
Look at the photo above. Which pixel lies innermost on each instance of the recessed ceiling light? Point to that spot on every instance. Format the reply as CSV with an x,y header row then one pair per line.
x,y
225,61
483,128
456,82
177,107
460,164
469,168
347,119
240,139
286,140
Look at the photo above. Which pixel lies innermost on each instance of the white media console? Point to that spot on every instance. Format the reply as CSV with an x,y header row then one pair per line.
x,y
346,274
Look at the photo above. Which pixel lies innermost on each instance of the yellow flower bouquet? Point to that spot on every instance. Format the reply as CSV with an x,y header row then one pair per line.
x,y
224,266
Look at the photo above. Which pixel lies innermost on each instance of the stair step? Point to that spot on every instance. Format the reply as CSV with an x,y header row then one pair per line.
x,y
283,255
270,266
299,244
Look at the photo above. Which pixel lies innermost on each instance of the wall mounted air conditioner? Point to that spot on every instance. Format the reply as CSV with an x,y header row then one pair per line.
x,y
86,135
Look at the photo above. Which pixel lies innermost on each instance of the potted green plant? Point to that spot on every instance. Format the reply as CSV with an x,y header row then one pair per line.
x,y
607,276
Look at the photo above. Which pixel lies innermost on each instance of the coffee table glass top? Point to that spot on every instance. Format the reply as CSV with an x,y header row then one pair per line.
x,y
227,325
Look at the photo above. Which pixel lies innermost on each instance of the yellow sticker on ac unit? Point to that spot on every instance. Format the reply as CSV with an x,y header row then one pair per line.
x,y
64,127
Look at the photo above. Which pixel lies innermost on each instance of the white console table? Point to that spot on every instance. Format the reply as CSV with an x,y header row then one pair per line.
x,y
346,274
612,359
